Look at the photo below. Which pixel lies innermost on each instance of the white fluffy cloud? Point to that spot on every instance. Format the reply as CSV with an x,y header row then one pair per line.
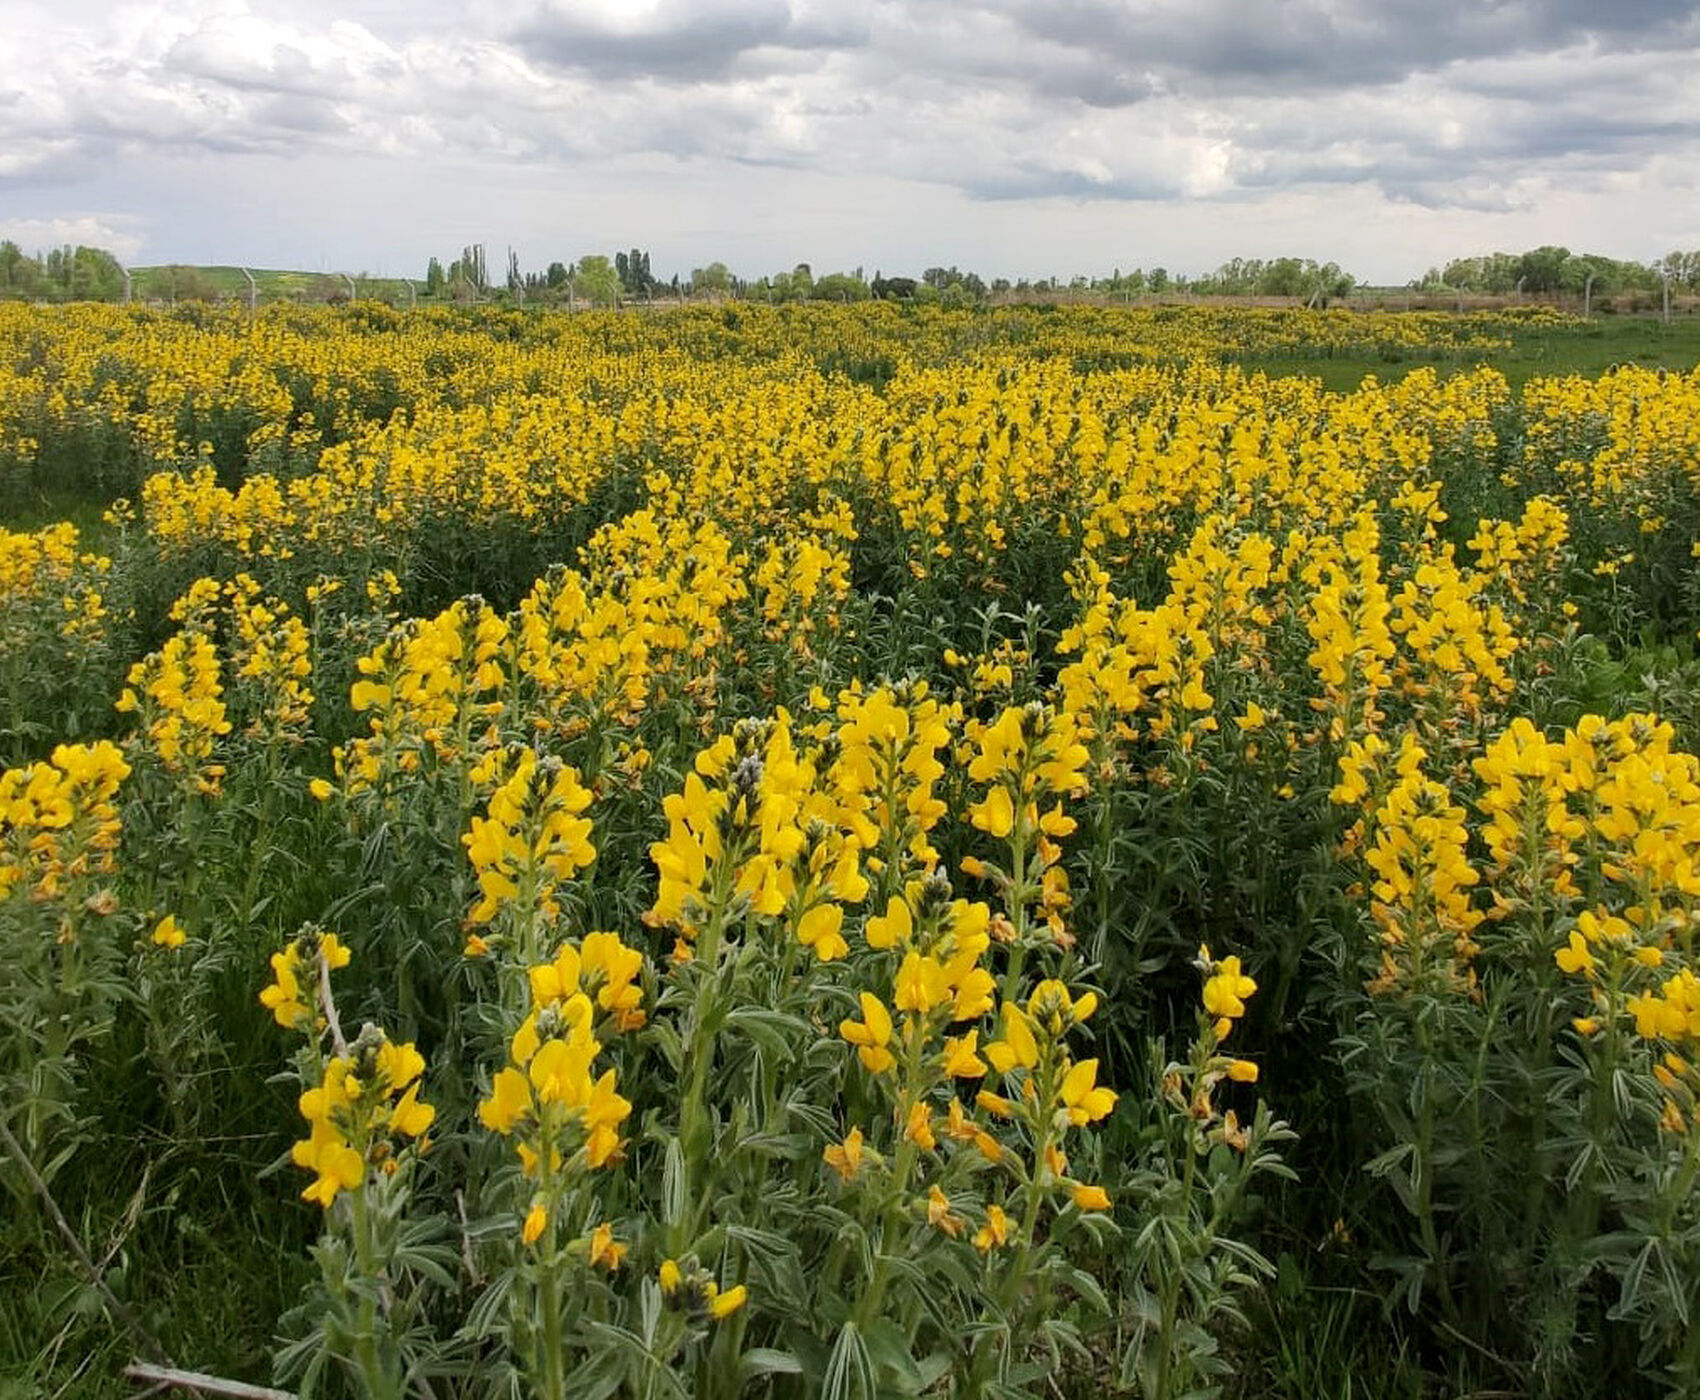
x,y
1470,120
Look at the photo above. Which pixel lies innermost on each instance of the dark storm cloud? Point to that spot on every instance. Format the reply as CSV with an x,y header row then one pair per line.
x,y
1219,46
681,40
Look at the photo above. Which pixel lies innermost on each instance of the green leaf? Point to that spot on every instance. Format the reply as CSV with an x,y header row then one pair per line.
x,y
849,1371
765,1361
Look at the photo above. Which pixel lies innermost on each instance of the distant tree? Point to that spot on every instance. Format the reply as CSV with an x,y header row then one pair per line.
x,y
632,270
596,280
435,280
188,284
715,279
1542,269
1158,279
468,278
840,286
556,277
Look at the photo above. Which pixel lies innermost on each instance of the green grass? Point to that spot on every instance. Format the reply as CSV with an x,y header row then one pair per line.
x,y
1607,341
156,283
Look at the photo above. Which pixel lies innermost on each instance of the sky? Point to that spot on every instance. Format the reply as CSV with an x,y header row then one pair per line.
x,y
1016,138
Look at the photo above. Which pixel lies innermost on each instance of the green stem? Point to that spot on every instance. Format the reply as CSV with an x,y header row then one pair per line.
x,y
873,1297
379,1379
1172,1284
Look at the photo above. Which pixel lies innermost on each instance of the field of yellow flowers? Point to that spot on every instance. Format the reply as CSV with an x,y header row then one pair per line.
x,y
844,852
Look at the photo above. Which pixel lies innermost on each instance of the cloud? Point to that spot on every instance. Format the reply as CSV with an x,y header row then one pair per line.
x,y
682,39
1483,106
117,233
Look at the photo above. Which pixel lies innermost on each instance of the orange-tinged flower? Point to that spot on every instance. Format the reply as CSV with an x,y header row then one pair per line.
x,y
994,1234
605,1250
1091,1197
845,1158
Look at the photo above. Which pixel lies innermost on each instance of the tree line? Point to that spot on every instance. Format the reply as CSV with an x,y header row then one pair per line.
x,y
596,279
60,274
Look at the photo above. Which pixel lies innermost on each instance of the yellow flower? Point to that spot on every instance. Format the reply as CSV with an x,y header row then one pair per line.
x,y
819,929
1226,990
960,1060
845,1158
1018,1046
1576,957
939,1214
725,1304
871,1035
535,1220
994,1234
168,933
1086,1100
1091,1197
605,1250
919,1128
